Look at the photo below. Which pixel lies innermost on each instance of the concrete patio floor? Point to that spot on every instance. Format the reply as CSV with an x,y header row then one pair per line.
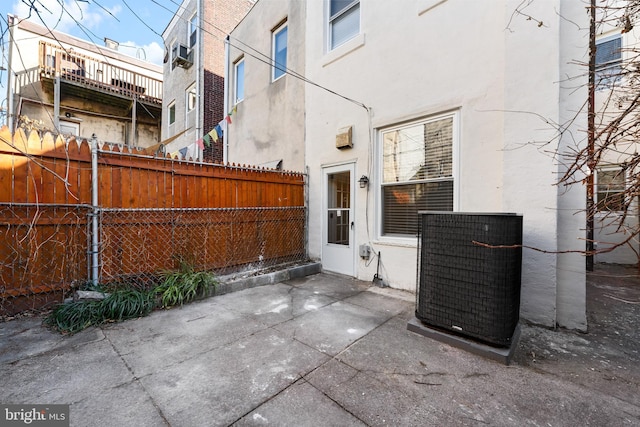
x,y
326,350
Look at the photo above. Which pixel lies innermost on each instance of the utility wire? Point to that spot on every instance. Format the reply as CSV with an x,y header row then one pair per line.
x,y
236,43
83,28
140,19
106,10
249,51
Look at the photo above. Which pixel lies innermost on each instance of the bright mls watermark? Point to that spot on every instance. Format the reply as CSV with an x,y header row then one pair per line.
x,y
34,415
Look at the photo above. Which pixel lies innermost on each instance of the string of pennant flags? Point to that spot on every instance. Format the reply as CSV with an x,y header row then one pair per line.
x,y
217,132
214,134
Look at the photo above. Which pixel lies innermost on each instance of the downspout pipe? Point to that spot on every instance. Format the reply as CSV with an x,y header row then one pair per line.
x,y
56,102
10,113
199,77
225,139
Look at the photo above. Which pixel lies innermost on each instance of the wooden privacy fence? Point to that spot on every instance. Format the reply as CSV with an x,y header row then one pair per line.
x,y
152,213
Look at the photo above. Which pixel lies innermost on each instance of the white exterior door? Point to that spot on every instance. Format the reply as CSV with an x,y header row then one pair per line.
x,y
338,248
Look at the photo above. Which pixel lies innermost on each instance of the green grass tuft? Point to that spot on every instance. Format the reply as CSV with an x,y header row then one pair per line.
x,y
76,316
183,286
126,302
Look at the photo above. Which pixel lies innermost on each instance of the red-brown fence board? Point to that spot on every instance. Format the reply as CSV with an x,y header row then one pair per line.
x,y
49,172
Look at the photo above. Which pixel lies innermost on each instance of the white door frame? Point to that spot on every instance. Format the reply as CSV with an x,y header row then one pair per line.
x,y
339,258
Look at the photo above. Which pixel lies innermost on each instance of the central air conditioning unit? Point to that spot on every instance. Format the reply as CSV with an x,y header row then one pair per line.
x,y
469,274
182,56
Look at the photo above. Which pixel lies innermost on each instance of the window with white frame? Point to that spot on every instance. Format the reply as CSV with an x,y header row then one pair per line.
x,y
344,21
191,98
238,78
608,61
611,186
172,113
193,30
417,172
279,52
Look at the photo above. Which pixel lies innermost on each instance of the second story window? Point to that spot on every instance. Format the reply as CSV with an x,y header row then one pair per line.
x,y
193,30
239,80
172,113
279,54
608,61
344,21
191,98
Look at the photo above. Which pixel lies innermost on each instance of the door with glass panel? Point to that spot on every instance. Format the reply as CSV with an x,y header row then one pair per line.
x,y
338,252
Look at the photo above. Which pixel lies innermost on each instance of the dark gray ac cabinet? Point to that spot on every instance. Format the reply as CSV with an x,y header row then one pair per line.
x,y
463,286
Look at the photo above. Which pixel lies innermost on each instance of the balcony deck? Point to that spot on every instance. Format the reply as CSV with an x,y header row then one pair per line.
x,y
89,75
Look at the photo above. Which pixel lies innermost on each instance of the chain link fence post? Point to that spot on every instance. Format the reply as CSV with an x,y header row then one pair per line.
x,y
95,267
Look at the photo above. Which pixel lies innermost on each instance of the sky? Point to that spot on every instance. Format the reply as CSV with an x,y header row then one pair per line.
x,y
135,24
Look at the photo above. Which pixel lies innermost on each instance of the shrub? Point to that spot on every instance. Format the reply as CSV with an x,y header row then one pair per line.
x,y
120,304
126,302
184,285
75,316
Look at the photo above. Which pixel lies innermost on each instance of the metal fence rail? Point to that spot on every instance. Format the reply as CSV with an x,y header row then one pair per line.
x,y
73,212
45,250
137,244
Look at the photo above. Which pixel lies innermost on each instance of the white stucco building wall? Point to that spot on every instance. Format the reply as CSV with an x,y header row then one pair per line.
x,y
501,78
269,121
497,82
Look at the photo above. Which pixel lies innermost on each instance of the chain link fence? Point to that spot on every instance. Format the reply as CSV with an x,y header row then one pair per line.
x,y
43,253
137,244
120,229
45,250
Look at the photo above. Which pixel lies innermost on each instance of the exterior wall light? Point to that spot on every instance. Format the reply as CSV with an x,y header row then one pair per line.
x,y
364,181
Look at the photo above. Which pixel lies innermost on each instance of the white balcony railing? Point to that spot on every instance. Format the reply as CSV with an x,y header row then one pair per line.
x,y
98,74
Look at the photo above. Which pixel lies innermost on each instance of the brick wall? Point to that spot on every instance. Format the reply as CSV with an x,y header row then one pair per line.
x,y
219,16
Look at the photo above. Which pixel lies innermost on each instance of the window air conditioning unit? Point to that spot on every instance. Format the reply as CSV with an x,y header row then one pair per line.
x,y
182,56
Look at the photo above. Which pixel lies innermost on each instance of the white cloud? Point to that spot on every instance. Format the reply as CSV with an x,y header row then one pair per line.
x,y
63,16
151,52
65,19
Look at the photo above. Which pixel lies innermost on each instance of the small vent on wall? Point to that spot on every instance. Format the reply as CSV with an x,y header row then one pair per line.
x,y
344,138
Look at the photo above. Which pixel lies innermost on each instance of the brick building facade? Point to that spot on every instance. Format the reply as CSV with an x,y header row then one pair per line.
x,y
194,70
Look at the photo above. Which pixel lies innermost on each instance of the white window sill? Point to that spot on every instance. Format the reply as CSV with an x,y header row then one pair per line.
x,y
404,242
343,50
